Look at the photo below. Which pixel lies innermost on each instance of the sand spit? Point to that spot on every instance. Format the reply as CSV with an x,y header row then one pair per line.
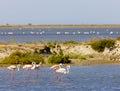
x,y
84,49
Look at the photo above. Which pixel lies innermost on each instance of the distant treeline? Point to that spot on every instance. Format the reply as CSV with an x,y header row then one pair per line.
x,y
30,25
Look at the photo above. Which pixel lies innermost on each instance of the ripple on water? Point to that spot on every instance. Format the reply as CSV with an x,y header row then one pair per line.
x,y
80,78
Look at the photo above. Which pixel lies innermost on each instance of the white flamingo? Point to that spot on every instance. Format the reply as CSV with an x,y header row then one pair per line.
x,y
36,66
63,70
29,66
14,67
32,66
56,69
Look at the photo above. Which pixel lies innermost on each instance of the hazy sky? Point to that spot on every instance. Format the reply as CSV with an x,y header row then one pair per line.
x,y
60,11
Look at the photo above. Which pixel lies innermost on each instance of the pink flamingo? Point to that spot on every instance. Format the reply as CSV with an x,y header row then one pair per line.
x,y
54,67
28,66
59,69
63,70
13,68
36,67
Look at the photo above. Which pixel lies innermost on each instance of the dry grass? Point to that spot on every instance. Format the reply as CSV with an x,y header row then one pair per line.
x,y
93,62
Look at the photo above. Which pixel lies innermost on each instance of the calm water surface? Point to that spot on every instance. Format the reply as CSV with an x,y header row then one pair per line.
x,y
56,34
80,78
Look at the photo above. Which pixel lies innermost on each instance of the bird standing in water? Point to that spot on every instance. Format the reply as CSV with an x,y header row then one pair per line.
x,y
57,66
63,70
13,68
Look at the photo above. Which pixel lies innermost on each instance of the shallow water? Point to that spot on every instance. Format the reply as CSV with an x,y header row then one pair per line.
x,y
56,34
80,78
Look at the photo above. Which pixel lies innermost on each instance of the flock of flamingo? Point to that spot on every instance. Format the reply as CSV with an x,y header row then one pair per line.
x,y
58,69
55,68
27,66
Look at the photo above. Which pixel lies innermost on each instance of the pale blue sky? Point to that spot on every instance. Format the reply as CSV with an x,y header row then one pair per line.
x,y
60,11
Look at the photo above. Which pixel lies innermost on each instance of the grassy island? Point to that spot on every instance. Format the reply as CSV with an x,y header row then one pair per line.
x,y
95,51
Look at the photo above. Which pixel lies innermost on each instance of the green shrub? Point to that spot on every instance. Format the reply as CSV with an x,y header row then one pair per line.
x,y
70,42
22,58
52,59
77,56
89,56
99,45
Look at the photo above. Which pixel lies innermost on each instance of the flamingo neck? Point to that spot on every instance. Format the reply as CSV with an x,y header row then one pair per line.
x,y
60,65
67,69
40,63
18,67
33,63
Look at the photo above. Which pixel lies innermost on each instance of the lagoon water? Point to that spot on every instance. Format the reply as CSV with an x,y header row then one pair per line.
x,y
80,78
56,34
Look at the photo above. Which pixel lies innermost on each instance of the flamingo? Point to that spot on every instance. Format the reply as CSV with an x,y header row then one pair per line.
x,y
13,68
36,66
55,67
29,66
63,70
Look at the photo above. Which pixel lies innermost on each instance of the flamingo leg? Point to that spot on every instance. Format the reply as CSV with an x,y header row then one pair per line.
x,y
11,76
56,76
37,75
28,74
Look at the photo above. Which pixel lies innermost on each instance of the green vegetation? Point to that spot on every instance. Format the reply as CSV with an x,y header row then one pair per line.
x,y
53,53
52,59
22,58
99,45
80,56
58,58
70,42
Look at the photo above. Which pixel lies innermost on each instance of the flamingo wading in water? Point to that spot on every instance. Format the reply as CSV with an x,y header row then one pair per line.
x,y
36,66
63,70
29,66
13,68
59,69
32,66
55,67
